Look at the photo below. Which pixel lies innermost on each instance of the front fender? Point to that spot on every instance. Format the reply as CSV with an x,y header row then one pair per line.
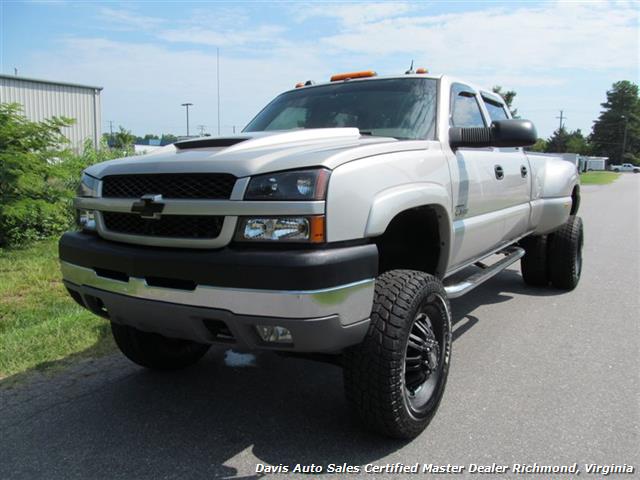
x,y
389,203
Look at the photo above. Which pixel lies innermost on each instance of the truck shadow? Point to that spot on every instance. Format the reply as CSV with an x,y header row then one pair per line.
x,y
499,289
204,422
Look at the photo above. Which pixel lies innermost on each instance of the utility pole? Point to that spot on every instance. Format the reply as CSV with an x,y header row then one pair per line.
x,y
187,105
624,136
218,83
561,117
111,133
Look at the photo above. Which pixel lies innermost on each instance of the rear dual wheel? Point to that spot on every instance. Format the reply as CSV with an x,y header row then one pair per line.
x,y
555,258
395,379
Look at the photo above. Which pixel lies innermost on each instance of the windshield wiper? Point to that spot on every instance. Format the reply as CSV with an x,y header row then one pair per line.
x,y
371,134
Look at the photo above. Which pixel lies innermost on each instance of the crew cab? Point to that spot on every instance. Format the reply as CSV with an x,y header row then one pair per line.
x,y
625,167
333,224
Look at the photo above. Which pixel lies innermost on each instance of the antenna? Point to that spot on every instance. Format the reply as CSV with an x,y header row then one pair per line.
x,y
410,71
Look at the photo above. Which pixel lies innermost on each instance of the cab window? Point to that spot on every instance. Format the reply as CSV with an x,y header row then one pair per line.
x,y
496,110
465,110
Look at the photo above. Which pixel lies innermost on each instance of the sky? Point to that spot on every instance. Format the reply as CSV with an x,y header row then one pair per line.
x,y
151,57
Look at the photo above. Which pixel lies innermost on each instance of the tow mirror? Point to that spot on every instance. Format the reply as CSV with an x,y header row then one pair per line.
x,y
501,133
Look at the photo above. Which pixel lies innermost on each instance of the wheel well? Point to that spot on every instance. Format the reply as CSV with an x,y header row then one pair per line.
x,y
575,200
413,241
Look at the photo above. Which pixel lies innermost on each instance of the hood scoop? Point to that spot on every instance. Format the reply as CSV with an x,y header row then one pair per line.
x,y
209,143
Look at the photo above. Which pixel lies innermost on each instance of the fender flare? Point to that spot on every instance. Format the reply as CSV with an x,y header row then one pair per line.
x,y
389,203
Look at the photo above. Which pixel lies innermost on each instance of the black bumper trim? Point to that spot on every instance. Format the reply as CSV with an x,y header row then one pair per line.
x,y
310,269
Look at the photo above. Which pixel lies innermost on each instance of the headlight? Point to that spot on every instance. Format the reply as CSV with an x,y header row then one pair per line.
x,y
282,229
295,185
86,219
88,186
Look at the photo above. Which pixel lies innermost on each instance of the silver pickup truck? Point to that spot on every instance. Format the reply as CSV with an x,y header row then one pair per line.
x,y
331,226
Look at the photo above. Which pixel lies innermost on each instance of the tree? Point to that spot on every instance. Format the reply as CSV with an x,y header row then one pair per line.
x,y
618,124
508,97
168,138
563,141
539,146
123,139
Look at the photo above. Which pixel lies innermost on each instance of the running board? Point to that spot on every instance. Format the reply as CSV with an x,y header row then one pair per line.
x,y
456,290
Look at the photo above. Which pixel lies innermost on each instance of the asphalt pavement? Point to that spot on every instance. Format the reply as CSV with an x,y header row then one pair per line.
x,y
537,375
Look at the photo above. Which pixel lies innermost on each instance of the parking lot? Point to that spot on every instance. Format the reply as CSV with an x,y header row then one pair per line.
x,y
538,375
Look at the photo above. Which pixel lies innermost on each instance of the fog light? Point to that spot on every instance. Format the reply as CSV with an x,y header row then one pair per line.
x,y
274,334
86,219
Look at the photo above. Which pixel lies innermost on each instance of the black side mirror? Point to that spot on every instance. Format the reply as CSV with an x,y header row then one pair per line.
x,y
501,133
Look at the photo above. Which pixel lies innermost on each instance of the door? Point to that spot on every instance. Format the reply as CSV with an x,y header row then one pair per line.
x,y
477,178
514,189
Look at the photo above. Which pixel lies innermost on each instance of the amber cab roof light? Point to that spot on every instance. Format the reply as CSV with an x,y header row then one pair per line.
x,y
422,70
345,76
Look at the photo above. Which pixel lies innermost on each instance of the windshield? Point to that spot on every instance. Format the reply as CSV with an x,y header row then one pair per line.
x,y
402,108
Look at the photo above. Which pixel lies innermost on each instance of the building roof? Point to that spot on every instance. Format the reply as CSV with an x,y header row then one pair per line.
x,y
48,82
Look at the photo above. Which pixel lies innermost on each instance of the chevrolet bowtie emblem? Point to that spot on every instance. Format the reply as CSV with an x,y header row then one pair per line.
x,y
149,206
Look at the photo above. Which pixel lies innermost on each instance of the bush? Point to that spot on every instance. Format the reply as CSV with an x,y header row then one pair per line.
x,y
38,176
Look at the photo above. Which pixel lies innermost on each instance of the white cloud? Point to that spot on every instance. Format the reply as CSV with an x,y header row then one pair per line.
x,y
145,83
546,38
264,34
129,20
542,51
354,13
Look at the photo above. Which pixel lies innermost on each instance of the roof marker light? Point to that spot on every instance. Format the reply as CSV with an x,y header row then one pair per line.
x,y
299,84
347,76
422,70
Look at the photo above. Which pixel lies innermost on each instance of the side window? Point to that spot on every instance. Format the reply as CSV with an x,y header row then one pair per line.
x,y
465,111
496,110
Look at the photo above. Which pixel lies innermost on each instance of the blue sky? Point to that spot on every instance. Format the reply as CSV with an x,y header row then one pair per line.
x,y
152,56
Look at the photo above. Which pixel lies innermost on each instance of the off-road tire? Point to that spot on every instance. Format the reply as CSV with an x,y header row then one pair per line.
x,y
155,351
374,371
534,264
565,254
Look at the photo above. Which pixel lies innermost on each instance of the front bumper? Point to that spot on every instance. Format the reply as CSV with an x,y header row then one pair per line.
x,y
323,297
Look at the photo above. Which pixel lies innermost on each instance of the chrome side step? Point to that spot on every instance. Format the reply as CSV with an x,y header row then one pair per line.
x,y
512,254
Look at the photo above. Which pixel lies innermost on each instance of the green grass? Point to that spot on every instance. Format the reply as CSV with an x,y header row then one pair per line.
x,y
598,178
40,325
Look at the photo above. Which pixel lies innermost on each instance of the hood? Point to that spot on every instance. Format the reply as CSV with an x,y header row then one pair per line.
x,y
254,153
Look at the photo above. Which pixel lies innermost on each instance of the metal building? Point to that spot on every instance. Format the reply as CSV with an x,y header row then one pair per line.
x,y
41,99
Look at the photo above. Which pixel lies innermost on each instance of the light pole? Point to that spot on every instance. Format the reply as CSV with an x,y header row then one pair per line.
x,y
187,105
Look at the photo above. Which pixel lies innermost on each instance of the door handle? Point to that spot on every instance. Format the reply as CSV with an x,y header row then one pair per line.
x,y
499,172
523,171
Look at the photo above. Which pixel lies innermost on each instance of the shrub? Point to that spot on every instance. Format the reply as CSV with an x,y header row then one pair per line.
x,y
38,176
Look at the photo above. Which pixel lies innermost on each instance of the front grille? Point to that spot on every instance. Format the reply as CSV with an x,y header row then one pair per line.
x,y
172,226
170,185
